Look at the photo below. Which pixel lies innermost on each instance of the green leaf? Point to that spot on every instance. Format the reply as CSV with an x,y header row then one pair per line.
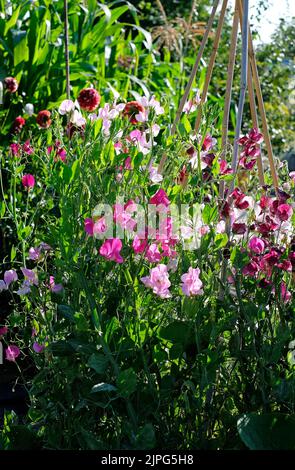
x,y
269,431
98,362
176,332
103,387
146,439
126,382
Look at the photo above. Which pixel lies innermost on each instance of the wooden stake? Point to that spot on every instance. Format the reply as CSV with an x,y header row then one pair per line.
x,y
211,63
261,107
191,79
229,83
243,87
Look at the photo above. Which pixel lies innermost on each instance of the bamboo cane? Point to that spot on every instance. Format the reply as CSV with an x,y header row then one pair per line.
x,y
211,63
243,87
67,60
229,82
255,123
261,107
191,79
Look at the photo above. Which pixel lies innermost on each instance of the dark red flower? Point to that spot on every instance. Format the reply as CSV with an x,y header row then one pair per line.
x,y
43,119
89,99
17,125
131,109
239,229
251,269
11,84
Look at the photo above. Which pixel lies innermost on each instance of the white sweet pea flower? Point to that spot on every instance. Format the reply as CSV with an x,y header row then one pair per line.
x,y
66,107
77,118
155,177
29,109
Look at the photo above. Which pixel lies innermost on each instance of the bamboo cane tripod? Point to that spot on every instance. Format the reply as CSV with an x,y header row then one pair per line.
x,y
249,80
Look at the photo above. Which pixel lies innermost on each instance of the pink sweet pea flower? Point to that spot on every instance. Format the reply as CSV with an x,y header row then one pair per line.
x,y
160,197
28,181
153,255
38,348
256,245
110,250
158,280
12,352
191,283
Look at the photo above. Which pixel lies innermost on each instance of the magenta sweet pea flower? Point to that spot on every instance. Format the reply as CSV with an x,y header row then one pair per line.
x,y
139,244
160,197
158,280
15,149
38,348
256,245
191,283
88,226
28,181
27,148
284,212
251,269
12,352
110,250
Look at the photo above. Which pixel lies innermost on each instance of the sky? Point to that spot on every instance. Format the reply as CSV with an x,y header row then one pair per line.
x,y
276,10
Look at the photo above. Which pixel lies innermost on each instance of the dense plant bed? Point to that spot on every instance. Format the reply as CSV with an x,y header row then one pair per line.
x,y
145,310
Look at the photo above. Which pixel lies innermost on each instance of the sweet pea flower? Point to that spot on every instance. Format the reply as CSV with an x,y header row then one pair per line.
x,y
25,288
140,244
55,288
191,105
28,181
66,107
256,245
30,276
15,149
34,253
152,254
110,250
251,269
88,226
160,197
12,352
27,148
155,177
38,348
10,276
191,283
158,280
284,212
